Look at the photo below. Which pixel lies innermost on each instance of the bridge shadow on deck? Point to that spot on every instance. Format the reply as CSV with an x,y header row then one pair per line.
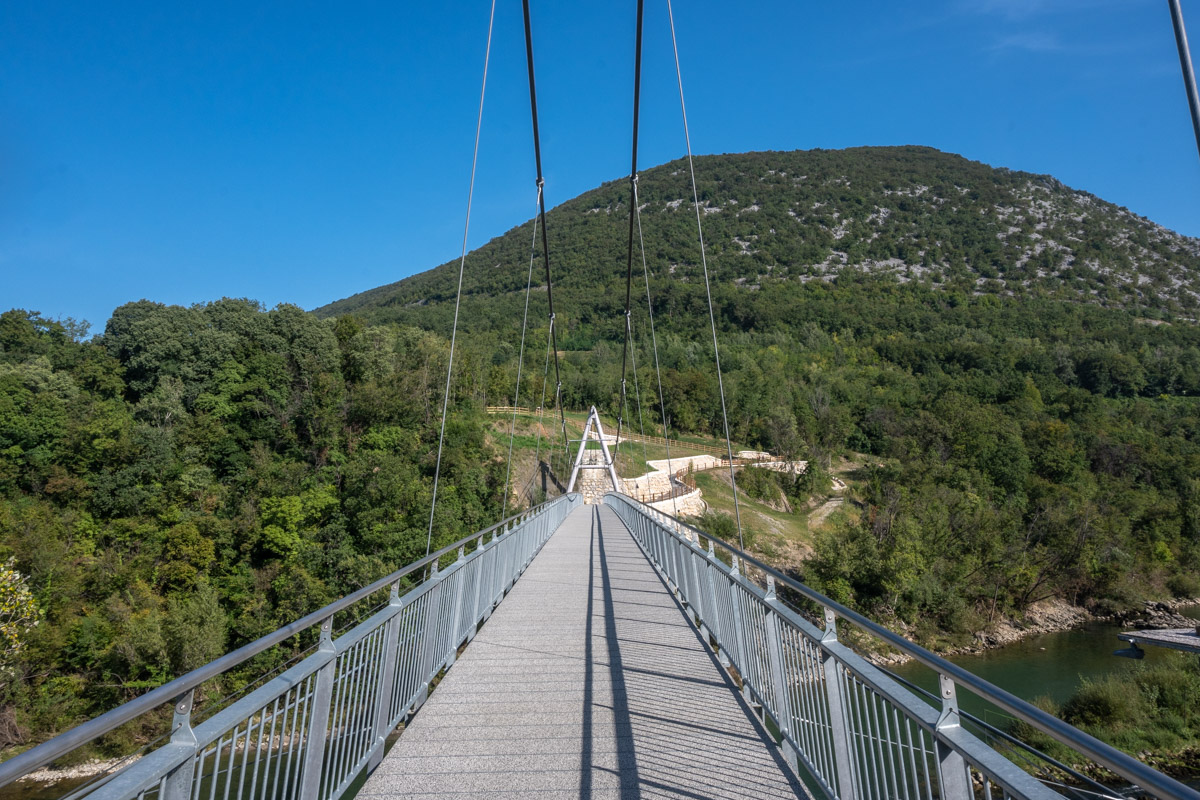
x,y
622,726
587,682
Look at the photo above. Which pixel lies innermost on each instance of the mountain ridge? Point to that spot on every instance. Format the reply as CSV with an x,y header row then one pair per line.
x,y
909,212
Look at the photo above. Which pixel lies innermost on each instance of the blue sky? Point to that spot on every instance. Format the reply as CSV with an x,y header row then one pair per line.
x,y
300,152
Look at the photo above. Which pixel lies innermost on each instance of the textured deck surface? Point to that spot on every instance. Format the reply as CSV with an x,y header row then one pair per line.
x,y
586,682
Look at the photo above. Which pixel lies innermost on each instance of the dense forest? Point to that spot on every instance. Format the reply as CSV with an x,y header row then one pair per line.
x,y
190,478
195,477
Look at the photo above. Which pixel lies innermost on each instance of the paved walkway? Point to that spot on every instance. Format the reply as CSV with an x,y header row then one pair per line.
x,y
586,682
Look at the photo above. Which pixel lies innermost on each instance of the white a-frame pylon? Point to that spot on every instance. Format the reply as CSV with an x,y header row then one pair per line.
x,y
593,424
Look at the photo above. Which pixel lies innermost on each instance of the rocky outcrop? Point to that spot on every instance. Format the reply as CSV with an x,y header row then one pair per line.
x,y
1154,616
1047,616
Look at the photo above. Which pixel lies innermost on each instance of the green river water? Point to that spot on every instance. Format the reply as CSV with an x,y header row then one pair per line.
x,y
1051,664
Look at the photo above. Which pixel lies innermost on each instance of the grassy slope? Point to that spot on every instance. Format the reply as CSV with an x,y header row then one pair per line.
x,y
777,535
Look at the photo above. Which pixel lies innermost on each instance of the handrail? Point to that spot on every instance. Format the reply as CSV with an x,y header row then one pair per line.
x,y
64,743
1008,738
681,484
1121,763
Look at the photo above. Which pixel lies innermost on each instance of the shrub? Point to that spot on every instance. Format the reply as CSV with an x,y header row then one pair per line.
x,y
720,525
1104,703
1184,585
761,484
1172,685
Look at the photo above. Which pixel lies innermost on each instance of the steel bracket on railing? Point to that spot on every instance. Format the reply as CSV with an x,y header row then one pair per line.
x,y
179,780
718,621
387,676
430,658
476,611
783,703
953,776
671,573
314,740
739,642
493,570
838,716
456,616
696,599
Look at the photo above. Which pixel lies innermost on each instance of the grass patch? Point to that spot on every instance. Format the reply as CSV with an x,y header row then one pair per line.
x,y
768,532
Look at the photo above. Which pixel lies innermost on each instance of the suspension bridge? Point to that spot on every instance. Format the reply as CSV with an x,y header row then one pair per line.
x,y
589,650
592,646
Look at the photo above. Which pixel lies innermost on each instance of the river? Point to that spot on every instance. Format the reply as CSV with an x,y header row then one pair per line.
x,y
1051,664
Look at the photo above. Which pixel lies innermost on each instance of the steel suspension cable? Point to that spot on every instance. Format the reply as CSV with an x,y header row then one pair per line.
x,y
462,262
537,449
1185,62
629,446
707,289
537,154
512,429
662,403
637,393
637,93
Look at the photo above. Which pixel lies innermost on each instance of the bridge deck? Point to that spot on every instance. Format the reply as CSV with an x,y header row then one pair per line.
x,y
586,682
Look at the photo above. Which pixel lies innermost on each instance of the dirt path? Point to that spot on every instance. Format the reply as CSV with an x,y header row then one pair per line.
x,y
818,517
831,504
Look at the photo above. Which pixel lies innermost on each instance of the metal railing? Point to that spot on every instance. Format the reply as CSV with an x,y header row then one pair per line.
x,y
681,483
854,731
309,732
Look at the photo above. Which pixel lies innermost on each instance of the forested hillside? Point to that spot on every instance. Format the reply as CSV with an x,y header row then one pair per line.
x,y
914,213
196,477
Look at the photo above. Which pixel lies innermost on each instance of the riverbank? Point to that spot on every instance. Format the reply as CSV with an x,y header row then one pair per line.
x,y
51,784
1055,616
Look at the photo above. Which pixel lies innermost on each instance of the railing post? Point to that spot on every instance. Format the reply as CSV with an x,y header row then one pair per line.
x,y
739,635
718,615
493,556
687,554
318,723
429,635
387,679
669,558
954,781
783,699
677,566
699,603
508,570
517,551
645,534
480,578
521,535
179,780
839,723
456,609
